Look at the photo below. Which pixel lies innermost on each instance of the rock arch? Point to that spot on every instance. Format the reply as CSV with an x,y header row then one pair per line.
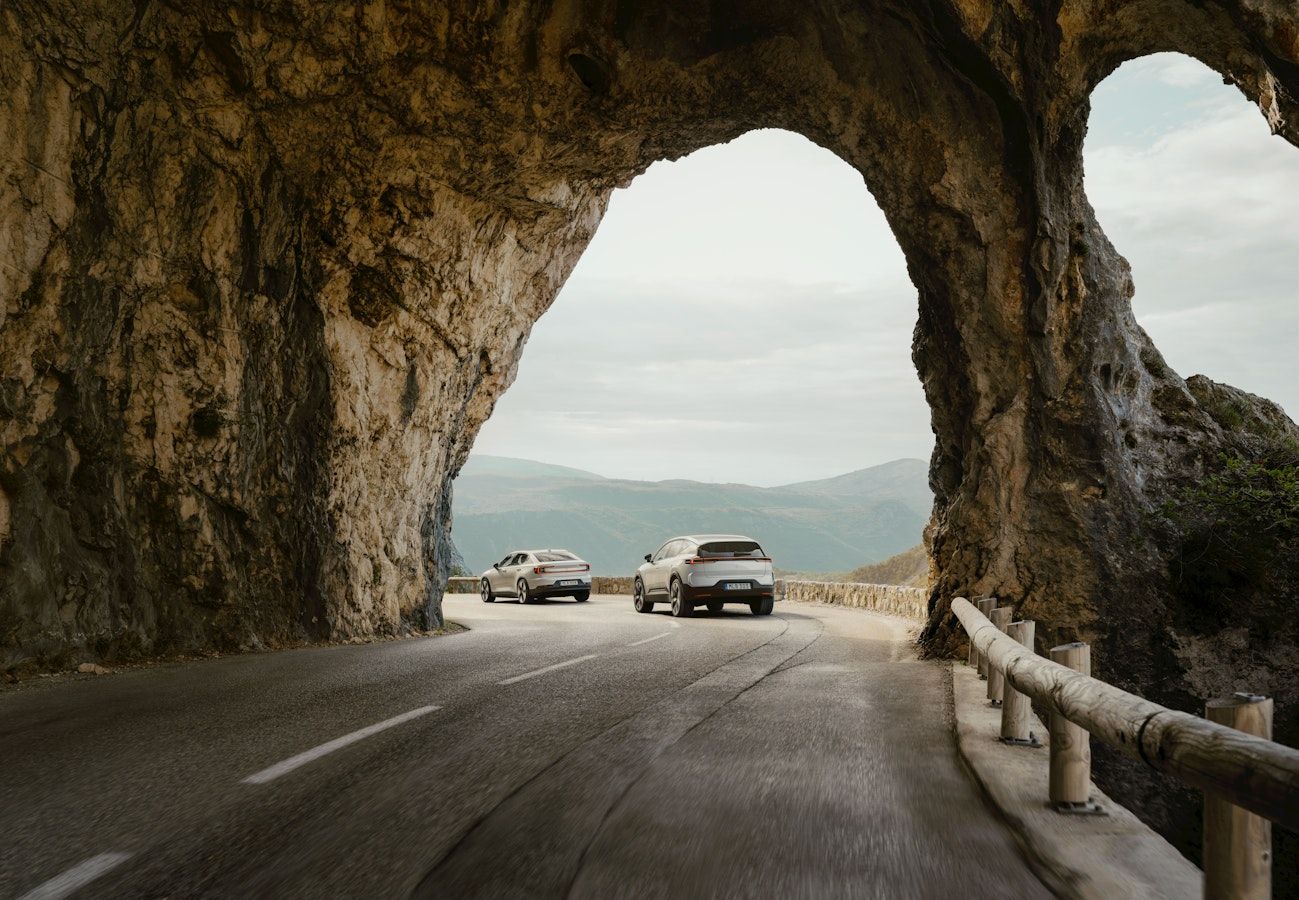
x,y
266,270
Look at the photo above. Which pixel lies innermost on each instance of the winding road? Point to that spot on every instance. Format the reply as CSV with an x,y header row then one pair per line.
x,y
551,750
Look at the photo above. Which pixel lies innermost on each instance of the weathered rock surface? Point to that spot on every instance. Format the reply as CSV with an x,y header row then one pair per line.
x,y
266,268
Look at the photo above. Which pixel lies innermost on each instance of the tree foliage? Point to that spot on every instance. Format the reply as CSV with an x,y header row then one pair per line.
x,y
1237,532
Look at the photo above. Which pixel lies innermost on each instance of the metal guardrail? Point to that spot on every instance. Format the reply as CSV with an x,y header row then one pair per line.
x,y
1232,767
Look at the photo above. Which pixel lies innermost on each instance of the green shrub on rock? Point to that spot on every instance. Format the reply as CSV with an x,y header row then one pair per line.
x,y
1237,533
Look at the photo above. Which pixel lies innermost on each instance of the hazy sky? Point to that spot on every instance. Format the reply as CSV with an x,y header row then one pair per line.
x,y
744,314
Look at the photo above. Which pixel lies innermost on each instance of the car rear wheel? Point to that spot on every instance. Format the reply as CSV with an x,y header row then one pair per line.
x,y
681,607
716,606
485,591
762,607
638,598
582,596
522,587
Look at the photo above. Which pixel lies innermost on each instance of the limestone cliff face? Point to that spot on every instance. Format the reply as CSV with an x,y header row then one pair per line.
x,y
265,269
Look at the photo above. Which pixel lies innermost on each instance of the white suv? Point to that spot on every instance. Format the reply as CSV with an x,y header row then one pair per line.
x,y
708,569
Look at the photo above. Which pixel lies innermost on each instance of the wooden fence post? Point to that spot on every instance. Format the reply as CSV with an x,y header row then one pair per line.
x,y
985,606
1254,773
1237,844
1001,618
1071,746
973,660
1016,709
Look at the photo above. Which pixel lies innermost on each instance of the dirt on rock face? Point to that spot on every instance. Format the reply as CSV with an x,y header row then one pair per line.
x,y
266,271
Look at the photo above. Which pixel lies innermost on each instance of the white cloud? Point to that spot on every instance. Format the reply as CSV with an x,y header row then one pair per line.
x,y
678,386
1177,70
1207,213
768,205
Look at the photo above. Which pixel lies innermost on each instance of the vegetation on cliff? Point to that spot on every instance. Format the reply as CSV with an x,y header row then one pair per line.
x,y
1237,533
1234,525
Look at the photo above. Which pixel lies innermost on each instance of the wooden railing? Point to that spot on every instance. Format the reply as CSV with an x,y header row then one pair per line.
x,y
1247,779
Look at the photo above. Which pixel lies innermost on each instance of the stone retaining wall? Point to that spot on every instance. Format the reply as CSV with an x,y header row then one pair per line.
x,y
912,603
600,584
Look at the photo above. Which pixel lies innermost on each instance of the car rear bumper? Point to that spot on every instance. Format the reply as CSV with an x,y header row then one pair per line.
x,y
719,592
554,588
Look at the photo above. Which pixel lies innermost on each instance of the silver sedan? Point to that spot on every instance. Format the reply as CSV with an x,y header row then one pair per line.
x,y
532,574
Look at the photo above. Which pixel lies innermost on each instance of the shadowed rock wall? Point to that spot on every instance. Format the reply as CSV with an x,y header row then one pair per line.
x,y
265,270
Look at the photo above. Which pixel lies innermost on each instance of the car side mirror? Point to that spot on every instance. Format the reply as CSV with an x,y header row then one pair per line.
x,y
647,557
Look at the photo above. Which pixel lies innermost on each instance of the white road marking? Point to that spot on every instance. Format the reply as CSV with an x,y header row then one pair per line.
x,y
294,762
559,665
78,876
648,639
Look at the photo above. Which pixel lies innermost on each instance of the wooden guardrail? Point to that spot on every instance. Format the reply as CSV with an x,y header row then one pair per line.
x,y
1232,767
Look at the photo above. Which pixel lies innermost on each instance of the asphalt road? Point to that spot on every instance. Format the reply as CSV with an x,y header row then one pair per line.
x,y
553,749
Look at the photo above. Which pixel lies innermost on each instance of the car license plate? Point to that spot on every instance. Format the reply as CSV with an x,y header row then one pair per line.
x,y
737,585
570,582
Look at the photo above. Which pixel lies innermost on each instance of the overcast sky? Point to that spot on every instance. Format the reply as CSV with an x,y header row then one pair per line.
x,y
744,314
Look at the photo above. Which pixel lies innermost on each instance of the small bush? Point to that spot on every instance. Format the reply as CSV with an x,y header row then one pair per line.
x,y
1237,531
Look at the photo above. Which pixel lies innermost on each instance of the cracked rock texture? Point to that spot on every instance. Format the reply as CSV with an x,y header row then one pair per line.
x,y
265,269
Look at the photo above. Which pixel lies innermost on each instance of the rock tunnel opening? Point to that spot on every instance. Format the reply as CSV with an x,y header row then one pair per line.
x,y
742,317
1201,199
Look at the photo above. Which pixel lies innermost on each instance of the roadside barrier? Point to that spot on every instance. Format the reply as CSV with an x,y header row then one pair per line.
x,y
1249,781
912,603
600,584
894,599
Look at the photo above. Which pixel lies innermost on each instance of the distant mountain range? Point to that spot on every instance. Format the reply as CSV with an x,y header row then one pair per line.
x,y
830,525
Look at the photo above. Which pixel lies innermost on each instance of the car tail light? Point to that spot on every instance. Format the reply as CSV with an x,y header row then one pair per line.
x,y
561,567
696,560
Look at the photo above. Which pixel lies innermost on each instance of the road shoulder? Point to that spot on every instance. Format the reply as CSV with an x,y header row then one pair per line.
x,y
1111,856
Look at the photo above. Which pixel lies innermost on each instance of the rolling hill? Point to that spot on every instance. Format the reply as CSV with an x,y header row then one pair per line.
x,y
829,525
910,568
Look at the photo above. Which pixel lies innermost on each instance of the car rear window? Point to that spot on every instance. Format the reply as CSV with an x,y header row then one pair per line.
x,y
734,549
554,556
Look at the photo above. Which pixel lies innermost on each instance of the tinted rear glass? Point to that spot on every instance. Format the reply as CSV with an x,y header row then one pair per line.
x,y
738,549
554,556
